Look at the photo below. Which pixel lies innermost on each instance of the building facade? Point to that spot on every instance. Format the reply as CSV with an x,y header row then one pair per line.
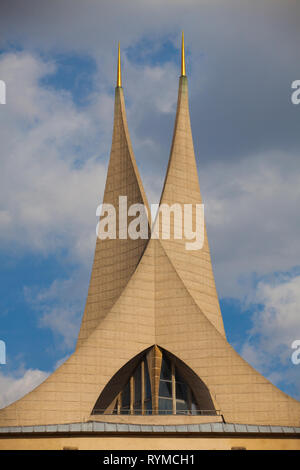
x,y
152,368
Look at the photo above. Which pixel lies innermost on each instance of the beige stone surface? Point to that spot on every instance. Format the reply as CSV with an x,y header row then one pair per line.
x,y
153,293
150,442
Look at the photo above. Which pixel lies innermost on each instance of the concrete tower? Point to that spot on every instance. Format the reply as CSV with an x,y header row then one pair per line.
x,y
152,351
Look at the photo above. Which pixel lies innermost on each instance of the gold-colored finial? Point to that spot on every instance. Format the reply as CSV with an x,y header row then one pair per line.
x,y
182,56
119,78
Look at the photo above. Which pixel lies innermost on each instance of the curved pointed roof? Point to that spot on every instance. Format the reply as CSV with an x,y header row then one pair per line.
x,y
181,186
115,260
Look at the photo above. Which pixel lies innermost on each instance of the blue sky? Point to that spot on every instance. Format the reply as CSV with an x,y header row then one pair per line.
x,y
55,130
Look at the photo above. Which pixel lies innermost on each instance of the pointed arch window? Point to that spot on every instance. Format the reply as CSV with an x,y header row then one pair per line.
x,y
135,397
155,382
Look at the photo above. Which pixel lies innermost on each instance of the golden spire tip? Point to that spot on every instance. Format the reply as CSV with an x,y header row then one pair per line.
x,y
182,56
119,79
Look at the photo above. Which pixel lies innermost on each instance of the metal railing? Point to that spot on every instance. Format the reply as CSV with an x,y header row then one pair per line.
x,y
139,412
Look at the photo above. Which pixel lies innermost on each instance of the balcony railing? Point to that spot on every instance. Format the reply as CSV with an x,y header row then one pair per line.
x,y
137,412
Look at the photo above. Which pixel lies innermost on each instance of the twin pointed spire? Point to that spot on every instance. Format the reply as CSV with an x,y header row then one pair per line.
x,y
183,74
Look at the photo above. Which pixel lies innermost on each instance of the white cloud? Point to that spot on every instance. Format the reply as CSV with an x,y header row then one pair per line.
x,y
13,387
275,327
278,322
251,208
60,306
48,201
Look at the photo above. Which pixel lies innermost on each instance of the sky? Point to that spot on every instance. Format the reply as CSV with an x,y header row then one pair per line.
x,y
58,60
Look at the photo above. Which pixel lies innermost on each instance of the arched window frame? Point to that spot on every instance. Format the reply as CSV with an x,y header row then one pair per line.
x,y
142,377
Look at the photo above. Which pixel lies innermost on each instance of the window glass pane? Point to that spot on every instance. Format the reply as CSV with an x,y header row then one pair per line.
x,y
148,406
125,407
181,391
166,371
165,406
181,407
137,385
126,397
165,389
194,410
178,377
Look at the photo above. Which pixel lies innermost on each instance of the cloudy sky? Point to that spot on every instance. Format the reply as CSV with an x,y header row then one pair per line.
x,y
58,60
